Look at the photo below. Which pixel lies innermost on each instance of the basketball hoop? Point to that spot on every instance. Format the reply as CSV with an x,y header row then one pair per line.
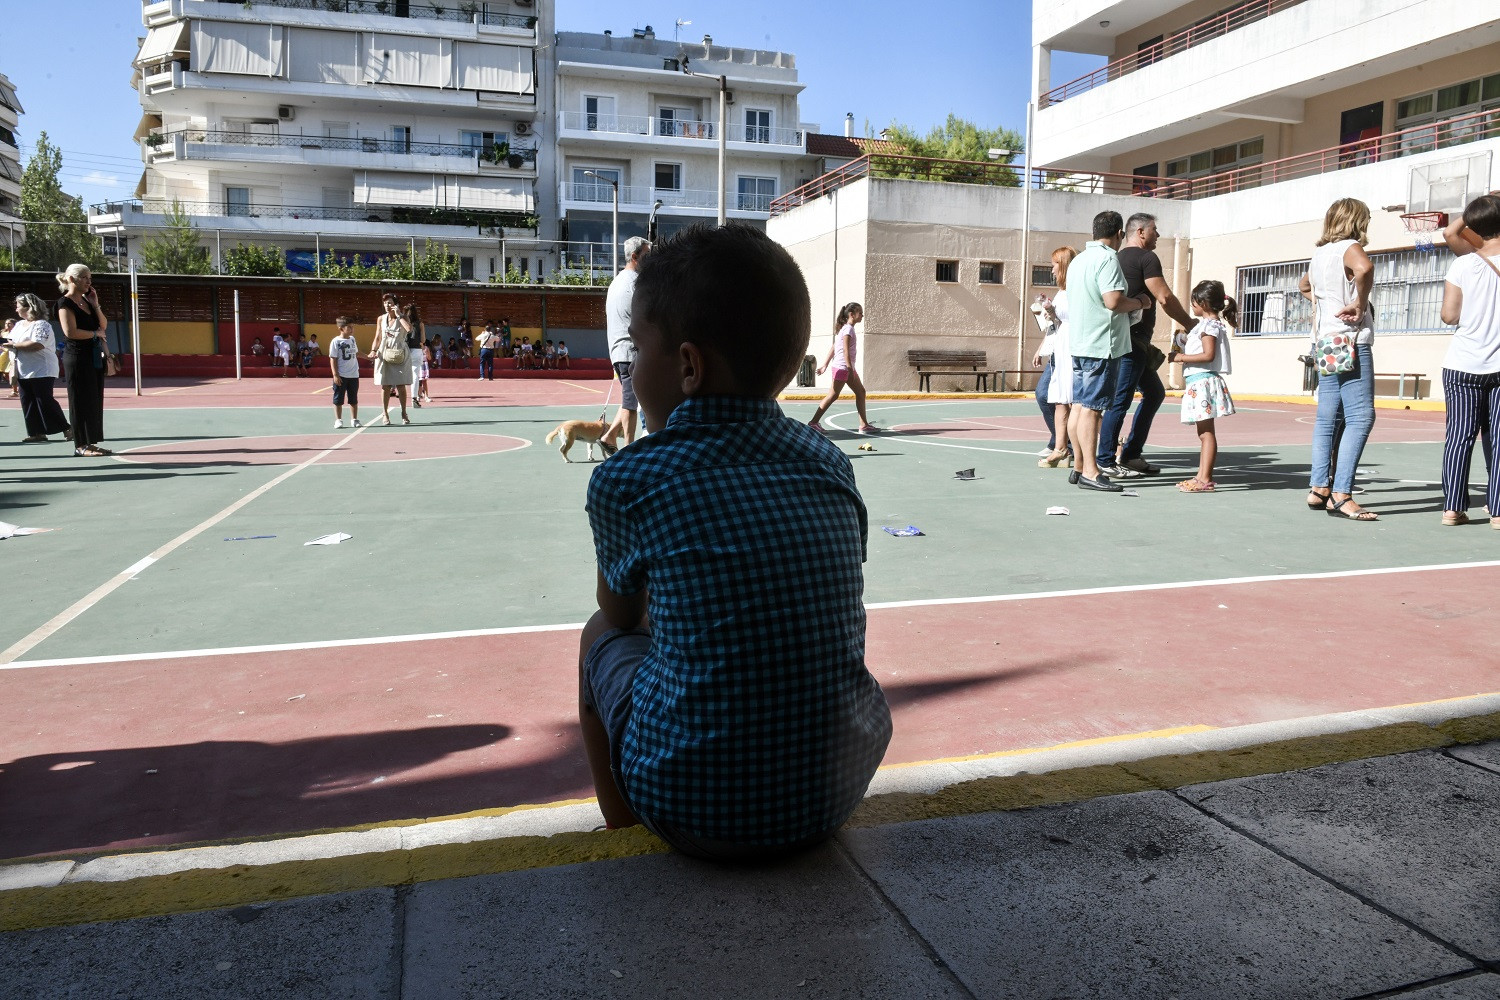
x,y
1423,226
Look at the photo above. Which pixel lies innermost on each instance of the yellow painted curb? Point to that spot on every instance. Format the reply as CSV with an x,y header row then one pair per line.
x,y
202,889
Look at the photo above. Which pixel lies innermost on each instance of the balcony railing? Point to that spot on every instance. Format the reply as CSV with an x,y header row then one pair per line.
x,y
1417,139
457,10
413,215
1204,31
669,128
358,144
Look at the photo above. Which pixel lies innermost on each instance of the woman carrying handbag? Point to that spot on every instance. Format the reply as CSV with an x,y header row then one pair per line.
x,y
392,358
1471,369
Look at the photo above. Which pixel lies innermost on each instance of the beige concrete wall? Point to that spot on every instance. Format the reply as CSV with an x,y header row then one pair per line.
x,y
1167,25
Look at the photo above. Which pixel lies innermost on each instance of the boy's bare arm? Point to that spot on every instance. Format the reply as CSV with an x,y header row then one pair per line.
x,y
621,610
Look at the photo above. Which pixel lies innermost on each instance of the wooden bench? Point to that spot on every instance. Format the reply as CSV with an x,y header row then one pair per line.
x,y
930,363
1401,377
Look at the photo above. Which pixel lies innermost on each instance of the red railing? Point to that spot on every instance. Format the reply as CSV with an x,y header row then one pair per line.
x,y
1204,31
1417,139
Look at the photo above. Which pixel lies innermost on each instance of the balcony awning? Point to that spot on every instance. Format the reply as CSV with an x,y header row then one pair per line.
x,y
375,188
244,48
149,121
163,43
140,187
506,69
489,193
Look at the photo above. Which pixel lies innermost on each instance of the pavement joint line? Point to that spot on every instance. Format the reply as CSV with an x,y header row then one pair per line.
x,y
99,593
288,647
57,892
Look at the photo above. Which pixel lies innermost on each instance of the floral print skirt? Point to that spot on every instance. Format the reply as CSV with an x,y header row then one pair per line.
x,y
1206,398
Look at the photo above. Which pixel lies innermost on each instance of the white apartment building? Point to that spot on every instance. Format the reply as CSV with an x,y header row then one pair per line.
x,y
351,127
630,116
10,166
1261,114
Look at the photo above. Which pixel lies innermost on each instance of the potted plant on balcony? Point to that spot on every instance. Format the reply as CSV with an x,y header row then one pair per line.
x,y
514,161
154,140
381,6
470,8
499,153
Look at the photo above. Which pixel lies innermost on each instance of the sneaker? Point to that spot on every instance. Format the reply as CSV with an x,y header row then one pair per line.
x,y
1118,472
869,429
355,422
1142,466
338,425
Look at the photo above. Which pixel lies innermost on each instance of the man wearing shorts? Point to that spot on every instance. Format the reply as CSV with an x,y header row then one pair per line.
x,y
621,347
343,359
1099,335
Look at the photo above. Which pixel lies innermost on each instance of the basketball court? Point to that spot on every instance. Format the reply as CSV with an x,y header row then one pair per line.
x,y
178,666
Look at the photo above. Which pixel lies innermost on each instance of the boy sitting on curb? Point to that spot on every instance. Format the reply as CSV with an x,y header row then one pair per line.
x,y
723,692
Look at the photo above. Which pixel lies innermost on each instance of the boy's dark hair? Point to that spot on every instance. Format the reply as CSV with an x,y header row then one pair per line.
x,y
1483,216
1107,225
342,322
731,290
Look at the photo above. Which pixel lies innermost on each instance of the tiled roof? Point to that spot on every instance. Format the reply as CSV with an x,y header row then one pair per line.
x,y
819,144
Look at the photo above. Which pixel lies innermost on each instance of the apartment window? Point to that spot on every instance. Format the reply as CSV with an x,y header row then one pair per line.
x,y
482,142
668,177
335,130
1407,298
586,188
681,122
993,273
7,136
1456,101
756,193
236,201
757,125
598,113
401,138
1041,276
466,269
1222,160
947,271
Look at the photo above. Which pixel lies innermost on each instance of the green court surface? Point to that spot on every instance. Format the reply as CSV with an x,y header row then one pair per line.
x,y
490,539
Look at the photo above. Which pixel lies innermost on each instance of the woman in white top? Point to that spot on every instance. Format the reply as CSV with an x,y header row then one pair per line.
x,y
34,368
1060,386
1471,370
1339,280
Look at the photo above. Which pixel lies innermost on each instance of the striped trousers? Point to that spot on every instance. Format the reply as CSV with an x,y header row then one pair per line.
x,y
1473,409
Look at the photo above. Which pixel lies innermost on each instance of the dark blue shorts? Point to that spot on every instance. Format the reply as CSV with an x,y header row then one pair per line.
x,y
349,389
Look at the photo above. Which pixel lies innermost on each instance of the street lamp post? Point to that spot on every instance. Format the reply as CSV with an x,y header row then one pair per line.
x,y
723,104
614,217
651,222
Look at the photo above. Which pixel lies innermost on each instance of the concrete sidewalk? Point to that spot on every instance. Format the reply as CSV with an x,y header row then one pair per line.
x,y
1370,877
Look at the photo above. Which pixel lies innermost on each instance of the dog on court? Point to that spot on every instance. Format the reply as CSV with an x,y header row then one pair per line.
x,y
587,431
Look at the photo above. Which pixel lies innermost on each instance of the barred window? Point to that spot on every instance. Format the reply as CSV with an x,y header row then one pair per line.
x,y
1041,276
991,273
947,270
1407,298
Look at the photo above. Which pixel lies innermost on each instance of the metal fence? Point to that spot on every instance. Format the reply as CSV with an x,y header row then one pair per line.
x,y
1407,297
457,10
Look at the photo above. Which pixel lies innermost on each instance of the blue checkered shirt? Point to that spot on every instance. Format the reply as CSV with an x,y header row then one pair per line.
x,y
754,719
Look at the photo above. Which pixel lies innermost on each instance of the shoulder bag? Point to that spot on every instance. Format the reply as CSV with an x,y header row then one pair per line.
x,y
1333,353
393,347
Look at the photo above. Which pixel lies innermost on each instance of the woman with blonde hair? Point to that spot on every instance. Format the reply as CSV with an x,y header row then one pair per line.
x,y
1339,280
1060,386
83,323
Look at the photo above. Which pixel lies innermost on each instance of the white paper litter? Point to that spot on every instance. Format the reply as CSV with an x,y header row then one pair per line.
x,y
333,539
1057,510
1129,493
8,530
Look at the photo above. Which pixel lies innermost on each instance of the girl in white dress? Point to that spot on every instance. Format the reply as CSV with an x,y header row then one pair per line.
x,y
1060,389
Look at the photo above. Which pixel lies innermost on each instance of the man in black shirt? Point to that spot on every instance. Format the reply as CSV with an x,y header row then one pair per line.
x,y
1143,274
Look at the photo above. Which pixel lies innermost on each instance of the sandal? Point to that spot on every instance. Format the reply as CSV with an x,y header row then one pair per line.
x,y
34,439
88,453
1196,485
1322,503
1053,460
1337,510
1453,518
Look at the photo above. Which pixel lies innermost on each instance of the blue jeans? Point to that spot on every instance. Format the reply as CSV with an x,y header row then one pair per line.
x,y
1352,393
1133,375
486,363
1048,410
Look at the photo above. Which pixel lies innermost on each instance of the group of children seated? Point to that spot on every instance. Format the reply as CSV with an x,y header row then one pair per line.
x,y
455,355
287,353
541,355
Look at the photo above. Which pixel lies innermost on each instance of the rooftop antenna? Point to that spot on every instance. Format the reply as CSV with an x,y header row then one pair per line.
x,y
680,25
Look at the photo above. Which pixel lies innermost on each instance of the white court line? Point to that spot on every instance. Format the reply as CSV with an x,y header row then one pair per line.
x,y
882,606
102,591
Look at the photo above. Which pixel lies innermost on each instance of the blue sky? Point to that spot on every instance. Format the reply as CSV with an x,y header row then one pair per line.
x,y
881,60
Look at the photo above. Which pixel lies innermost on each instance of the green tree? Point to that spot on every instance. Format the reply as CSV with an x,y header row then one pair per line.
x,y
57,231
250,260
176,250
958,139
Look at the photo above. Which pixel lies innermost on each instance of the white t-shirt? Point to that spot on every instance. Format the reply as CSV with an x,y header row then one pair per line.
x,y
35,364
617,316
1334,290
345,354
1194,345
1475,347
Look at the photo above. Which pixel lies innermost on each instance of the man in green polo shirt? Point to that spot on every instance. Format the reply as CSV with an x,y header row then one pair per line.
x,y
1099,336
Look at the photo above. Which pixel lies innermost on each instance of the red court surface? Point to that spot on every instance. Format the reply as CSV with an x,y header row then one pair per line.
x,y
166,751
377,444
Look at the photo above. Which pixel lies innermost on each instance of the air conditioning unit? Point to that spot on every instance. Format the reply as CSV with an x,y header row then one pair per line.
x,y
523,3
286,112
523,128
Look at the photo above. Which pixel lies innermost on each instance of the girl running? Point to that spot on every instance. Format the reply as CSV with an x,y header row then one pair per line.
x,y
841,356
1205,358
